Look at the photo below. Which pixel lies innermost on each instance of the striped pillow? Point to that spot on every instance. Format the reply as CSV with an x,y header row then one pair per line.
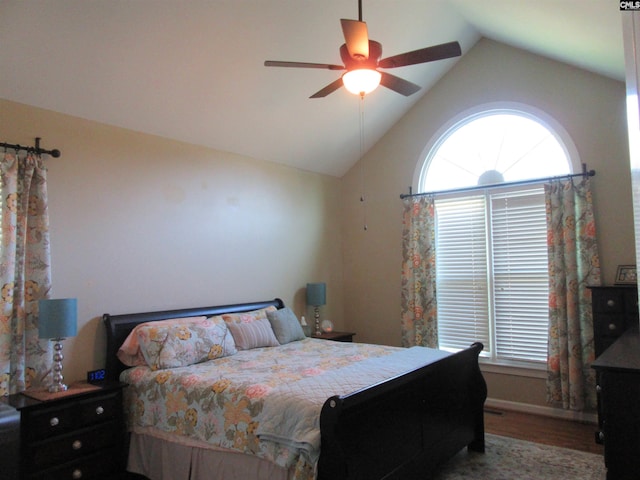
x,y
253,334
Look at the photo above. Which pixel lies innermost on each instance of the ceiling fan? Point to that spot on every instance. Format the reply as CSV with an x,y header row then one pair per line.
x,y
361,58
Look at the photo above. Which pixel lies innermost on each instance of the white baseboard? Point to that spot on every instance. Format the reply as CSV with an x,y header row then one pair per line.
x,y
542,410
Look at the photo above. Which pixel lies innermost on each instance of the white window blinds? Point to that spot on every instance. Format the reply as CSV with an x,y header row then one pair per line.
x,y
520,273
461,278
492,277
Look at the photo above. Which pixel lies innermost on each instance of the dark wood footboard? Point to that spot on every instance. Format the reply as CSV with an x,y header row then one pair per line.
x,y
405,427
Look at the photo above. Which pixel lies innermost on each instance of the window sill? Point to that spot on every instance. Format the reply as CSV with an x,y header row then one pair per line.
x,y
515,370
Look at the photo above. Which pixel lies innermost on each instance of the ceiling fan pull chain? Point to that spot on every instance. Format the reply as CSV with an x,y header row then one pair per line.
x,y
363,197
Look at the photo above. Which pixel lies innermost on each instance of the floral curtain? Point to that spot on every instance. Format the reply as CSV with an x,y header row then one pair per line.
x,y
24,272
418,304
573,265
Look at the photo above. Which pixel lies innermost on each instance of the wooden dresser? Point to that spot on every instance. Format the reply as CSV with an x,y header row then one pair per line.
x,y
79,436
618,372
615,309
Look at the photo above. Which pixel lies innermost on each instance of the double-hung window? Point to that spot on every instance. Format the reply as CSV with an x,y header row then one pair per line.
x,y
491,239
491,281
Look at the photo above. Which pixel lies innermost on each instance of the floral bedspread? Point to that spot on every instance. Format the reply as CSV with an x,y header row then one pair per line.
x,y
264,401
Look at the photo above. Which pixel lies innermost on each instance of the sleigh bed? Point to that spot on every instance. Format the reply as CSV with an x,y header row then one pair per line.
x,y
406,412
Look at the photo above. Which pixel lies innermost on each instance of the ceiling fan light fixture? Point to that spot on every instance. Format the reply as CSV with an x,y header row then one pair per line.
x,y
361,81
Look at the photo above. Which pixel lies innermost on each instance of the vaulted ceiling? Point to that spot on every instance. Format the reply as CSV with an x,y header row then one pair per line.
x,y
193,70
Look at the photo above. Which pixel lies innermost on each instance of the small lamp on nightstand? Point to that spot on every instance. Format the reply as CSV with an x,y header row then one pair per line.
x,y
316,296
58,319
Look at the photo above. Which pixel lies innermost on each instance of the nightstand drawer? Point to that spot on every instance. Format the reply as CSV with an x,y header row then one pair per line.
x,y
99,409
47,422
98,465
72,446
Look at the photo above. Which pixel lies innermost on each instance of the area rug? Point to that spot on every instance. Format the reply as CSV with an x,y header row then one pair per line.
x,y
511,459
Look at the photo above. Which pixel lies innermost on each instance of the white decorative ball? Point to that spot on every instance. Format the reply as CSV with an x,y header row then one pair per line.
x,y
326,326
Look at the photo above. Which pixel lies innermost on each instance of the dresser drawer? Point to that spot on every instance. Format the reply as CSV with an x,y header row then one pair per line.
x,y
59,419
631,303
615,310
72,446
98,465
609,301
610,325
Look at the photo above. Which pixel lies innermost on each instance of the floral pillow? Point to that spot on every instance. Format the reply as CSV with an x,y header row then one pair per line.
x,y
129,352
245,317
185,342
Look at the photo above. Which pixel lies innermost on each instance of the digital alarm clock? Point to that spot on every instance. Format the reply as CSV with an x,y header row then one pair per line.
x,y
97,376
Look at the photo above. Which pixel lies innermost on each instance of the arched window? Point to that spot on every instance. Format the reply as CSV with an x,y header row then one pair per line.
x,y
494,144
491,251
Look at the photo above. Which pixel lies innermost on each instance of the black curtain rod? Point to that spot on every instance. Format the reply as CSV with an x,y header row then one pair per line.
x,y
585,173
55,153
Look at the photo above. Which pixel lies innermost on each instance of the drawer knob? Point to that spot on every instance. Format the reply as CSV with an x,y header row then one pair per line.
x,y
611,303
54,421
76,445
598,388
612,326
99,410
601,436
77,473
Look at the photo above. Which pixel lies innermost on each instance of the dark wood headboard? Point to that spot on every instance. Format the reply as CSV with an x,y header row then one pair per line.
x,y
119,326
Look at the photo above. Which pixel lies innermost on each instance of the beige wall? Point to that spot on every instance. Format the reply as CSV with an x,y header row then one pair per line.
x,y
591,108
142,223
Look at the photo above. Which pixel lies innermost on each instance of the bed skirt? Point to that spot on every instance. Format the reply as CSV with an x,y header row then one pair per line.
x,y
157,457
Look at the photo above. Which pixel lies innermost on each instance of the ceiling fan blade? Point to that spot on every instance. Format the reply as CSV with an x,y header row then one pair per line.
x,y
428,54
397,84
356,37
326,66
332,87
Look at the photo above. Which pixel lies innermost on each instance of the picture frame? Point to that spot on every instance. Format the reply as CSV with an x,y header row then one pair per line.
x,y
626,275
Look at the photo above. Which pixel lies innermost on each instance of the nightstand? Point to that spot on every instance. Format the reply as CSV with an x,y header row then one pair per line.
x,y
79,435
335,336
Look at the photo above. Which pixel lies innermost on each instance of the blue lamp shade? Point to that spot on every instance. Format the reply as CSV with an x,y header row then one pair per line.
x,y
316,294
58,318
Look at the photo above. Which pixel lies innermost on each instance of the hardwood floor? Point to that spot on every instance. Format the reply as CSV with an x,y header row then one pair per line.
x,y
542,429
